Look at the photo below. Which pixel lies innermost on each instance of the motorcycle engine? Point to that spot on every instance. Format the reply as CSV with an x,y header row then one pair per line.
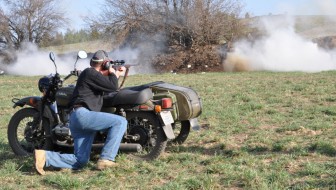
x,y
62,131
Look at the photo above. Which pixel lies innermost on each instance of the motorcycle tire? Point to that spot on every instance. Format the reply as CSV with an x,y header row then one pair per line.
x,y
142,124
181,131
20,122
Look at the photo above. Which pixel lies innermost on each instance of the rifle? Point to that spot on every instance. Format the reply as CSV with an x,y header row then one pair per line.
x,y
116,64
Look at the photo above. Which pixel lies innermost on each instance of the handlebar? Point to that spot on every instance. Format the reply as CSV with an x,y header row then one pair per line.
x,y
72,73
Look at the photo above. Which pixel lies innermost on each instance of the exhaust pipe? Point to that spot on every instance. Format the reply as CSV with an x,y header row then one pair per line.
x,y
130,147
124,147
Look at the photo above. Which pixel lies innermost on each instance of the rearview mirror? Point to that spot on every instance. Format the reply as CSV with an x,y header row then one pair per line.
x,y
82,54
52,57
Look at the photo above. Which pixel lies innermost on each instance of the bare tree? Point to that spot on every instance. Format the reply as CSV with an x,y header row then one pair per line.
x,y
30,21
183,22
192,30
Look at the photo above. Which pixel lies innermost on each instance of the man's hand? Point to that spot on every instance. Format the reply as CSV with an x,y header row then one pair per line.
x,y
118,73
121,70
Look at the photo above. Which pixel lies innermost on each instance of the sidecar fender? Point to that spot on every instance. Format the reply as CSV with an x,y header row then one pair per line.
x,y
30,101
168,129
194,124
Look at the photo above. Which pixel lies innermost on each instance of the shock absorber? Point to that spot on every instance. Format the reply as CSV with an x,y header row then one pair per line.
x,y
122,112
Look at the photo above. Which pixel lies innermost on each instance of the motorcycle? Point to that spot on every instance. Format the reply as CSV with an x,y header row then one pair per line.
x,y
156,112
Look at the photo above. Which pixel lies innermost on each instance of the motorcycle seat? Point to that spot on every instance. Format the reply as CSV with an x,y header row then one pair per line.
x,y
128,96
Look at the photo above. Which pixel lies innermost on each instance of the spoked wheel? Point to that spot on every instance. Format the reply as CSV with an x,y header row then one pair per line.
x,y
146,130
23,137
181,131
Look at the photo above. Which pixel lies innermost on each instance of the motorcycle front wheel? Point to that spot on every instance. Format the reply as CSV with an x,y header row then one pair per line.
x,y
145,126
23,137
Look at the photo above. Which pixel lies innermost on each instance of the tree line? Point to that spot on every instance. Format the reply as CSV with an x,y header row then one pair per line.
x,y
71,36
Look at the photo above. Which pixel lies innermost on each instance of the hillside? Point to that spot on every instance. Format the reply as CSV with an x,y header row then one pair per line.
x,y
314,27
90,46
311,27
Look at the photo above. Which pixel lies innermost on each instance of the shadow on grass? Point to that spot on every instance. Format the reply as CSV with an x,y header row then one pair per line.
x,y
315,184
222,149
325,149
6,153
210,151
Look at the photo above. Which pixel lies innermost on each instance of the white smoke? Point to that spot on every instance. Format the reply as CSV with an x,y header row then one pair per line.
x,y
281,49
32,61
135,57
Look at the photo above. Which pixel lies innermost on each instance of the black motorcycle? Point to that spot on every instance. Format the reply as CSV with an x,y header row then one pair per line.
x,y
154,112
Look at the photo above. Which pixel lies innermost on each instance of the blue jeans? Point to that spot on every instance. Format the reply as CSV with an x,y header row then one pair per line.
x,y
83,126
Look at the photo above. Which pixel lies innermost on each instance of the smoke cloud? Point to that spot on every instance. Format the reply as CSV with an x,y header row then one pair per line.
x,y
281,48
138,57
32,61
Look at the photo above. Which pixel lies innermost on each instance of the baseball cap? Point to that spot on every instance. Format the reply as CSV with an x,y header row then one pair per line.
x,y
99,56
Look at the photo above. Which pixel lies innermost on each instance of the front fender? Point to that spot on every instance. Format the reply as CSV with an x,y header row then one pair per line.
x,y
30,101
35,101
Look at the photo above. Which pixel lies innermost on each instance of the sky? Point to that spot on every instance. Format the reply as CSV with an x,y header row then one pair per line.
x,y
293,7
78,8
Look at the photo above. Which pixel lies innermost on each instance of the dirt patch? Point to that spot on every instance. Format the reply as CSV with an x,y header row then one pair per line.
x,y
198,59
327,42
304,131
235,62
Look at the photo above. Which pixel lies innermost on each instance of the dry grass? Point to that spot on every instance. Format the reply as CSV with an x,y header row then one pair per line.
x,y
91,46
262,130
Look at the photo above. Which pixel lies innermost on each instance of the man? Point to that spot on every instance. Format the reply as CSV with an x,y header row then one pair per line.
x,y
86,119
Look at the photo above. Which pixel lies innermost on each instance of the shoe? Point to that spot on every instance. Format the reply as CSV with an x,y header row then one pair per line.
x,y
40,159
104,164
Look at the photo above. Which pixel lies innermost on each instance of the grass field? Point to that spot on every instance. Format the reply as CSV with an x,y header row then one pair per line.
x,y
261,130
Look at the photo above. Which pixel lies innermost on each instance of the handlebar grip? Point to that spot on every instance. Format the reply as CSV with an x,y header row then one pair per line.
x,y
67,77
76,72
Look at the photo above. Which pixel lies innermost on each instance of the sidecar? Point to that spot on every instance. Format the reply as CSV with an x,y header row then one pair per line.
x,y
187,106
186,101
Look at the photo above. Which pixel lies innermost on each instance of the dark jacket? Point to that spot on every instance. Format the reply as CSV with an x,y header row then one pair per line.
x,y
90,88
